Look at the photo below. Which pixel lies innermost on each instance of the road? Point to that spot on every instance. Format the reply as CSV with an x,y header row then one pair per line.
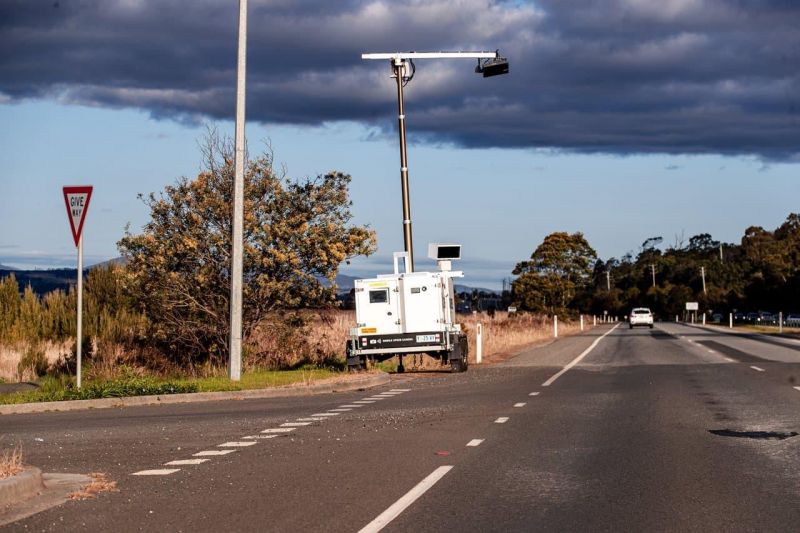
x,y
672,429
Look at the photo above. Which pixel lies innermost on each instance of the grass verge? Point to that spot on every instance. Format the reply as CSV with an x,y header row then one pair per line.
x,y
10,463
59,388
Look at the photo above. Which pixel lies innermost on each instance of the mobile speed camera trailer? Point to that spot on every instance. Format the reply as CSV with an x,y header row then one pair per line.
x,y
413,312
409,313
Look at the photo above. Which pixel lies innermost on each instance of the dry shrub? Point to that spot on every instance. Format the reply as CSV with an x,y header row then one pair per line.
x,y
10,463
100,483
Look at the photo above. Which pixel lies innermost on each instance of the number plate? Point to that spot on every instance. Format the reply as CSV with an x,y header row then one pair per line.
x,y
427,338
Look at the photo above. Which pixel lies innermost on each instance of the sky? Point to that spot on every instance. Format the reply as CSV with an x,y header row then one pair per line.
x,y
623,119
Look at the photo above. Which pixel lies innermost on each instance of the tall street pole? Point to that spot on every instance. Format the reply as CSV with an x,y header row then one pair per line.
x,y
398,66
235,349
703,274
653,271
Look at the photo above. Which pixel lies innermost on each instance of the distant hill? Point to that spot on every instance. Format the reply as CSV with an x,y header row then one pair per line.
x,y
6,267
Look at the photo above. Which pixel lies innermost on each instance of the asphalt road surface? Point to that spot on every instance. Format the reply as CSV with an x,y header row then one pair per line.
x,y
671,429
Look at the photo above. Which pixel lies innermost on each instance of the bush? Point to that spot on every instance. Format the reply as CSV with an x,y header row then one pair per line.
x,y
33,362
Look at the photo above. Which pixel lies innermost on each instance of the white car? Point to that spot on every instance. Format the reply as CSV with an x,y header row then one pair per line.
x,y
641,316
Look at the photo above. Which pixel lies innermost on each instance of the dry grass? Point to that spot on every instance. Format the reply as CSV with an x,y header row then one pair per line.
x,y
10,356
100,483
10,463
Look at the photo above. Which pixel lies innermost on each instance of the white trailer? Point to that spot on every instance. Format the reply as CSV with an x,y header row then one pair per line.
x,y
408,313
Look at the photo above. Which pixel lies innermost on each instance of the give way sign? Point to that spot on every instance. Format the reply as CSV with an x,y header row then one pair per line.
x,y
77,201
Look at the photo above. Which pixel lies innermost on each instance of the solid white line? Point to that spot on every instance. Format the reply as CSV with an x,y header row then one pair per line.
x,y
278,430
520,404
326,414
186,462
410,497
475,442
159,472
212,452
237,444
295,424
501,420
577,359
533,394
757,369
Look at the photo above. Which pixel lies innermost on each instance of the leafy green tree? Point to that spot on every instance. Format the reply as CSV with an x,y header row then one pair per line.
x,y
296,234
557,269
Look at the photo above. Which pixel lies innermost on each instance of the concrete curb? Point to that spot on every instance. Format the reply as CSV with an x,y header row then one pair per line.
x,y
24,485
321,387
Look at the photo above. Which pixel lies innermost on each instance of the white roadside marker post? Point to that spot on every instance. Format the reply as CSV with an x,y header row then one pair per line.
x,y
594,320
780,321
77,201
730,320
479,345
555,326
581,322
704,319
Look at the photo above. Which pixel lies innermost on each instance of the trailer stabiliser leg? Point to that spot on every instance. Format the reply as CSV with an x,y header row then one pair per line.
x,y
400,367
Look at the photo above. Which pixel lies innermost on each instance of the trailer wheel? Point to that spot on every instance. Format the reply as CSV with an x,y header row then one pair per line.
x,y
459,356
355,363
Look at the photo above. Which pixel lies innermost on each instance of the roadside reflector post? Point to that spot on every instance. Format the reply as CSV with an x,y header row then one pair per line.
x,y
77,202
555,326
581,322
704,319
780,321
594,320
730,320
479,345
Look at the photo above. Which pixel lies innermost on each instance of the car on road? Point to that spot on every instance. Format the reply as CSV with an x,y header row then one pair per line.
x,y
641,316
792,321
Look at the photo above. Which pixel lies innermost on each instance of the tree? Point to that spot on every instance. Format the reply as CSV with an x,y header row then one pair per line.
x,y
557,269
296,234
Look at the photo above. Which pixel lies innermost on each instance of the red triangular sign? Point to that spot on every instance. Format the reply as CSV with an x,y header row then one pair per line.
x,y
77,201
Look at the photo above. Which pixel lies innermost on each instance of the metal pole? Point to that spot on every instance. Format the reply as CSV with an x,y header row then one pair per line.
x,y
79,333
721,260
398,66
653,271
235,363
703,274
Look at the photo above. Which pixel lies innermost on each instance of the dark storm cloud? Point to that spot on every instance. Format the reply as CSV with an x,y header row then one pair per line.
x,y
616,76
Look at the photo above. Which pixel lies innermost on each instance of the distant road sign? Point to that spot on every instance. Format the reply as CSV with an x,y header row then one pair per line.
x,y
692,306
77,201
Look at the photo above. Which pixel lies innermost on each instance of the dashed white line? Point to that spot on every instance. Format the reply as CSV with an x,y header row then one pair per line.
x,y
403,503
533,394
311,419
376,398
797,388
520,404
339,410
261,436
757,369
399,390
295,424
157,472
186,462
577,359
350,405
475,442
364,401
278,430
206,453
501,420
237,444
326,414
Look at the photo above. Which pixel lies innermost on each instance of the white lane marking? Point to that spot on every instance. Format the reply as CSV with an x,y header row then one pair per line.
x,y
326,414
350,405
212,452
339,410
295,424
797,388
237,444
403,503
158,472
533,394
728,359
389,393
577,359
364,401
757,369
399,390
186,462
520,404
375,398
260,436
501,420
475,442
278,430
710,351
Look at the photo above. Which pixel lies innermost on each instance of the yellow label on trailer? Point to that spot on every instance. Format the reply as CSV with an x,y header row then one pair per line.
x,y
378,284
369,330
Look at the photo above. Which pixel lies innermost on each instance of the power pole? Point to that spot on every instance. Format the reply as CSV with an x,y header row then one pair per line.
x,y
653,271
237,238
703,274
721,260
608,281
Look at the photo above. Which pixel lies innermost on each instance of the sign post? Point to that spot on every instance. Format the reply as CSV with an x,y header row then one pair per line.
x,y
77,202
